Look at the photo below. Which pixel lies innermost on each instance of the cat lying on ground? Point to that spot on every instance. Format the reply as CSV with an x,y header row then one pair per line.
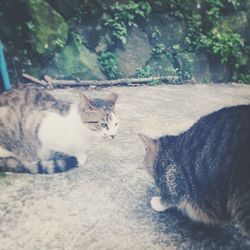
x,y
205,171
40,134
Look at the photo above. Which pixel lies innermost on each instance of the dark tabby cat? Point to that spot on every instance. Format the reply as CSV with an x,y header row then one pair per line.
x,y
40,134
205,171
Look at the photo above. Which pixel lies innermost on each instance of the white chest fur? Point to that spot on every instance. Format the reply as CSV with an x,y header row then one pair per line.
x,y
66,134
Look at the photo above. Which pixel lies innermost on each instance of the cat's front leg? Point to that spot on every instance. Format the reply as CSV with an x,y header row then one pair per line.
x,y
44,153
81,159
157,204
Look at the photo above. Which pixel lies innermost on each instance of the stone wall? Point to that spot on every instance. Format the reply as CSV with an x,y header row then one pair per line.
x,y
62,39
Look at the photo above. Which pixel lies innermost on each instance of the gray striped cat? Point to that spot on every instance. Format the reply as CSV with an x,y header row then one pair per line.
x,y
205,171
41,134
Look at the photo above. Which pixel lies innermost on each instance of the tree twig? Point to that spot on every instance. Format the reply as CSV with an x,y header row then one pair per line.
x,y
100,83
35,80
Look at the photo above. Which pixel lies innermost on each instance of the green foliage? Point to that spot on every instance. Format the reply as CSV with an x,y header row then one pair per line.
x,y
193,31
245,78
76,37
186,68
159,49
123,15
108,64
59,43
144,72
208,29
226,44
48,29
31,26
89,9
155,33
206,34
75,61
213,9
182,62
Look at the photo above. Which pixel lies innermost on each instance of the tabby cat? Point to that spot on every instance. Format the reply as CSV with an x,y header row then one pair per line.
x,y
40,134
205,171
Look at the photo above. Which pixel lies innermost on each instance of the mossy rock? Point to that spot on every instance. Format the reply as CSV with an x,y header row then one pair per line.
x,y
135,53
49,30
165,29
162,66
186,65
75,61
201,68
88,34
219,72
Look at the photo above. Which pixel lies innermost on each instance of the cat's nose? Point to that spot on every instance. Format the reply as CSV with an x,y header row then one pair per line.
x,y
112,136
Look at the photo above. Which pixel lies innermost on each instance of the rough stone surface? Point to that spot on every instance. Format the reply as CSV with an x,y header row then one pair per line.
x,y
65,7
88,34
49,27
161,65
75,60
166,29
105,204
201,68
218,71
135,54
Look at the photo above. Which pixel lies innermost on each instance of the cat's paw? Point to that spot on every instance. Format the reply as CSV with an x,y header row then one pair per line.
x,y
81,159
157,204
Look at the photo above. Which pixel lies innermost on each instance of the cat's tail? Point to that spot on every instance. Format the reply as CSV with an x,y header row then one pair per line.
x,y
55,165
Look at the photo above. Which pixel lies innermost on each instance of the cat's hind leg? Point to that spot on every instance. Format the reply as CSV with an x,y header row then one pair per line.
x,y
10,163
195,213
158,205
242,216
5,153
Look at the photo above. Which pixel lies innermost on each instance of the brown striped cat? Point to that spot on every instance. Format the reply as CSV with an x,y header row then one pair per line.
x,y
41,134
205,171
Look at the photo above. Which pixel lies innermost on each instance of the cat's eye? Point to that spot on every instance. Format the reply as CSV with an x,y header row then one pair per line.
x,y
116,124
104,125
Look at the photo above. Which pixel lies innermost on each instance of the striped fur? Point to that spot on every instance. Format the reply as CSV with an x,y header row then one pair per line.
x,y
205,171
56,165
41,134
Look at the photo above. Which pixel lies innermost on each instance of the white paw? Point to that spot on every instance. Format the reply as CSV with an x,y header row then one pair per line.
x,y
44,153
81,160
157,204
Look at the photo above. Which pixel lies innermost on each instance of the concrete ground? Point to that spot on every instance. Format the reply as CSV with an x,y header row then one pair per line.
x,y
105,204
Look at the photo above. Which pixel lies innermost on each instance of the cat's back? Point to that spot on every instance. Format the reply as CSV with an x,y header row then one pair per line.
x,y
25,98
21,113
217,146
231,124
235,115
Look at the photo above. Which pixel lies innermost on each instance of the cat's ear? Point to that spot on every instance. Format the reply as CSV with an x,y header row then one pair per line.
x,y
85,102
146,140
112,98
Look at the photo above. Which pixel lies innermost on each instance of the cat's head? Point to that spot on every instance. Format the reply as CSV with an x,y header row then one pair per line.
x,y
99,115
161,167
151,150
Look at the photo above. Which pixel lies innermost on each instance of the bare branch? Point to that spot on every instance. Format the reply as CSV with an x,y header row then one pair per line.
x,y
99,83
35,80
